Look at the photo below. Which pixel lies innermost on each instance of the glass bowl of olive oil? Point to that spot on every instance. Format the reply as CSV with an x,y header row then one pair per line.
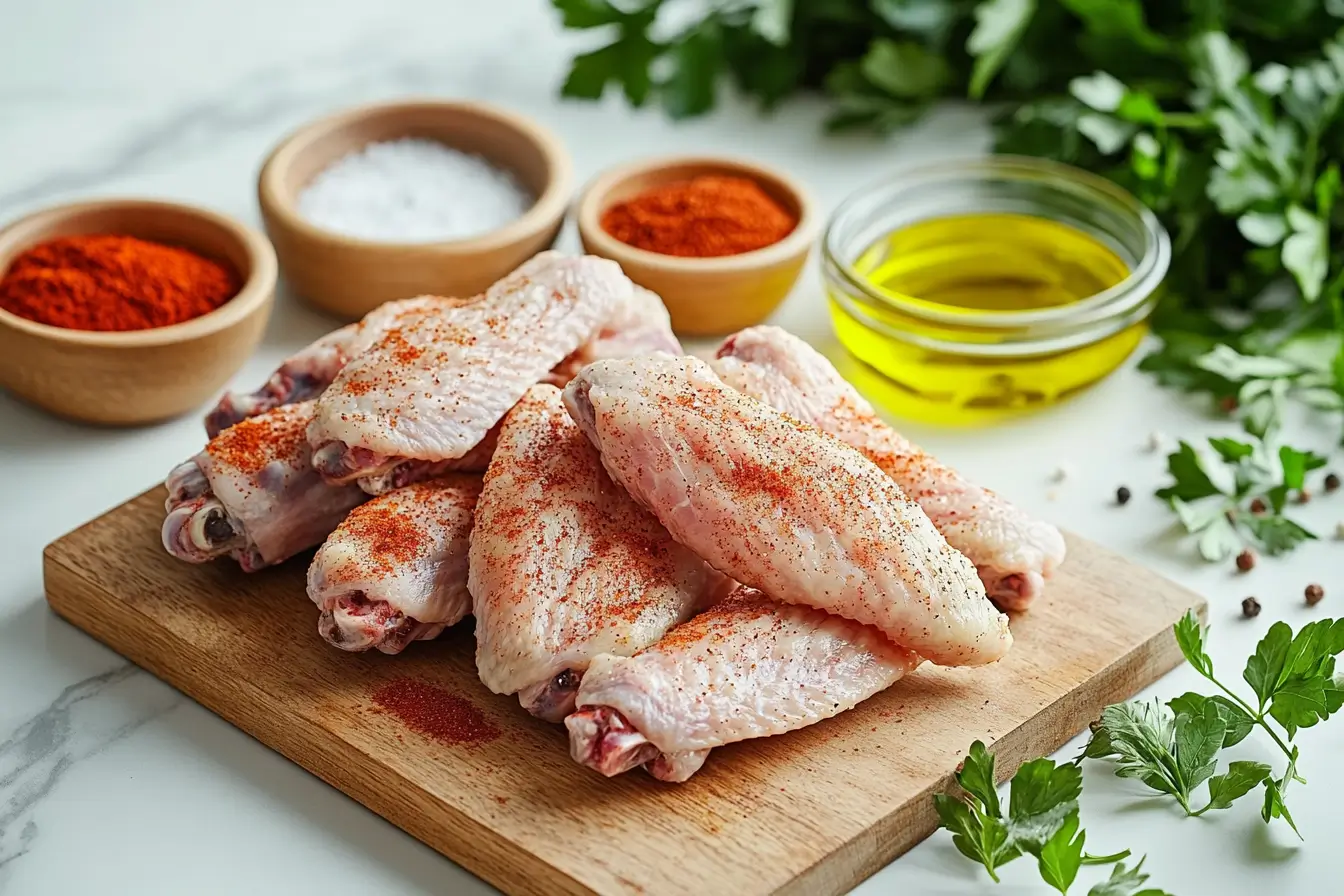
x,y
981,289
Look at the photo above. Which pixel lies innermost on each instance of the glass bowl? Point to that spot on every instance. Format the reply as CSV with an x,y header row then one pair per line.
x,y
957,364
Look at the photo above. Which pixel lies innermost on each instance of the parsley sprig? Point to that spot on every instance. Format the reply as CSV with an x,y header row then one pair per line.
x,y
1041,819
1173,749
1237,492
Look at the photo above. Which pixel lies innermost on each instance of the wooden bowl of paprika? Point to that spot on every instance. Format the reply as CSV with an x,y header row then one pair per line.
x,y
722,241
126,312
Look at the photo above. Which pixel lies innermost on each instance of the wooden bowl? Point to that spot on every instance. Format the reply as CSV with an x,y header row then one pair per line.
x,y
138,376
705,296
348,276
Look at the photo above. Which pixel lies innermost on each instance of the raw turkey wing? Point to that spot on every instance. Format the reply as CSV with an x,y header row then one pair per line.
x,y
564,565
253,493
748,667
783,507
432,388
1013,552
307,373
395,570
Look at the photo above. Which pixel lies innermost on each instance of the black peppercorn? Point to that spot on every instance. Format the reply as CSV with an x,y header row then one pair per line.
x,y
1122,496
1250,608
1331,482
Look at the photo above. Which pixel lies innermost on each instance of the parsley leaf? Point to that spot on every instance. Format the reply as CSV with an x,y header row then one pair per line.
x,y
1236,722
998,27
1274,805
1240,779
1190,638
1042,817
1190,480
980,838
977,777
1041,799
1142,738
1212,494
1125,882
1062,855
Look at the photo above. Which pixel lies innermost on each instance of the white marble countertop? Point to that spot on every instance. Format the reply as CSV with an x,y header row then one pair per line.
x,y
112,782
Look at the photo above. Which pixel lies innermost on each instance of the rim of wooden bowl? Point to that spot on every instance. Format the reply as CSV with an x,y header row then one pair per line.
x,y
594,201
29,230
550,204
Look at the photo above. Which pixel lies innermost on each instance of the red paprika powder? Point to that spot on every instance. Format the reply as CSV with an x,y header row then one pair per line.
x,y
106,282
701,218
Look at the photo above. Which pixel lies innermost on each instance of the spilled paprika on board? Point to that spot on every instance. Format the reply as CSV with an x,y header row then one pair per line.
x,y
434,712
704,217
113,283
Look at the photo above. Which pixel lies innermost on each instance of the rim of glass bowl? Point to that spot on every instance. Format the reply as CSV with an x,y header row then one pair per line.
x,y
1115,303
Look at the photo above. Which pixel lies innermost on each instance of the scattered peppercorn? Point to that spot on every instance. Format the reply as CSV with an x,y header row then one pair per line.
x,y
1259,506
1122,496
1246,561
1314,593
1303,496
1228,403
1250,608
1331,482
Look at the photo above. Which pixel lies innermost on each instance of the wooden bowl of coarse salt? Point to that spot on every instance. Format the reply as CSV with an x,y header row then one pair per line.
x,y
410,198
103,311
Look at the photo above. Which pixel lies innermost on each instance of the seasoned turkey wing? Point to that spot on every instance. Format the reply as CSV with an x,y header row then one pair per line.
x,y
564,565
395,570
431,389
782,507
1013,552
747,667
253,494
641,326
307,373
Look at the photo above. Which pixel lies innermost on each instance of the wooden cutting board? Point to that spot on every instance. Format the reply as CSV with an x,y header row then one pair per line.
x,y
815,811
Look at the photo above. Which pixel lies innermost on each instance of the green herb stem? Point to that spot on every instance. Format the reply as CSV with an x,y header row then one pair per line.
x,y
1257,716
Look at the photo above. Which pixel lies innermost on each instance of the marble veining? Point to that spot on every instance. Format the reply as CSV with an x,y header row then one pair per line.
x,y
87,718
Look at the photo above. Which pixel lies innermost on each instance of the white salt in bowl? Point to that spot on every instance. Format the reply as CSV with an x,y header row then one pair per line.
x,y
350,276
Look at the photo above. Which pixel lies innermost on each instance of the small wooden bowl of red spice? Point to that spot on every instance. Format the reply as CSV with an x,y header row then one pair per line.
x,y
721,241
129,311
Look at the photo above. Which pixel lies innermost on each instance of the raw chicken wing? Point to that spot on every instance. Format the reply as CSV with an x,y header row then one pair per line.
x,y
395,570
782,507
253,493
564,565
748,667
1013,552
430,390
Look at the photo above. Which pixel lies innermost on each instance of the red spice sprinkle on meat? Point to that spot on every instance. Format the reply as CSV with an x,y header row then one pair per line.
x,y
435,713
392,536
253,443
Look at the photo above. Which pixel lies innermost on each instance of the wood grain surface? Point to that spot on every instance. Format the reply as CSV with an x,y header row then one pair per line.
x,y
815,811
